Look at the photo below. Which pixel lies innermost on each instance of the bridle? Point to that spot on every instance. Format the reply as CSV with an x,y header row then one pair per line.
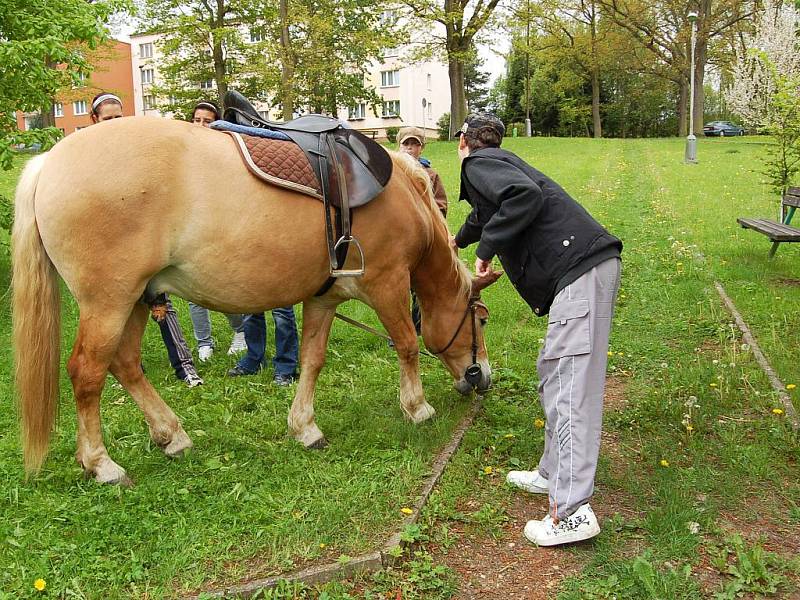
x,y
473,373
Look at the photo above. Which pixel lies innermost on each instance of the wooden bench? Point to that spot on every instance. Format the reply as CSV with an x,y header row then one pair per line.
x,y
776,231
371,133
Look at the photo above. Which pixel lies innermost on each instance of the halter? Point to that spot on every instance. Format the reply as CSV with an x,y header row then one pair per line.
x,y
473,372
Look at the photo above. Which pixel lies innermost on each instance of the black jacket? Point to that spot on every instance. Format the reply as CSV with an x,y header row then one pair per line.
x,y
544,239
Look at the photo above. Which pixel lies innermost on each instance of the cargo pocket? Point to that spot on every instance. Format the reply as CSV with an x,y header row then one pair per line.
x,y
568,330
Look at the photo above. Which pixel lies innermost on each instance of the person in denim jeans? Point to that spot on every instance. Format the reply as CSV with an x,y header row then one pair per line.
x,y
204,114
284,362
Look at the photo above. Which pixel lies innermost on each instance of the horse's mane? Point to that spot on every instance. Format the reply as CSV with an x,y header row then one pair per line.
x,y
422,184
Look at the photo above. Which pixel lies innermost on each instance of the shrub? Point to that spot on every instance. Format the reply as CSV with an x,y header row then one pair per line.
x,y
391,134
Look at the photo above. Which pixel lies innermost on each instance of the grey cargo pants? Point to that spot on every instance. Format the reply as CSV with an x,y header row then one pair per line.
x,y
572,377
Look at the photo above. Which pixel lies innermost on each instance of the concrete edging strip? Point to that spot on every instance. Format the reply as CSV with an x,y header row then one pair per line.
x,y
750,339
364,563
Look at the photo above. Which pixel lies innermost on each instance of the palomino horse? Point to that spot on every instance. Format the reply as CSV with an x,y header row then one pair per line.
x,y
135,201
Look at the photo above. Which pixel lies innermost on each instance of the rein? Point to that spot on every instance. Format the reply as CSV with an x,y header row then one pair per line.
x,y
474,302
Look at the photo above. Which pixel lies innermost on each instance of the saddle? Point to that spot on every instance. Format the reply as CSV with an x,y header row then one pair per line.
x,y
350,169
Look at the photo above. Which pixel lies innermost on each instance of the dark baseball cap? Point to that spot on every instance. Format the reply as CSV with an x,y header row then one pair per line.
x,y
484,120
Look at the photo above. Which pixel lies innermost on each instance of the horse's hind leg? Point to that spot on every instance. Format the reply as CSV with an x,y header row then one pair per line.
x,y
317,319
99,332
165,429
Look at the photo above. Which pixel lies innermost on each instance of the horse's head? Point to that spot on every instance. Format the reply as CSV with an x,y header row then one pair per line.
x,y
464,350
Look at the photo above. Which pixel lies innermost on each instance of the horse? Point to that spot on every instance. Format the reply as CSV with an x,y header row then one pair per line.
x,y
143,202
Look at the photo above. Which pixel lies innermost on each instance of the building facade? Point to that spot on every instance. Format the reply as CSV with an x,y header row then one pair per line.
x,y
411,93
72,109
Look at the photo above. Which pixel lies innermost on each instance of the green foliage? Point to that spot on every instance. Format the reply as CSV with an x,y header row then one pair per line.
x,y
752,570
237,44
391,134
36,37
443,127
783,123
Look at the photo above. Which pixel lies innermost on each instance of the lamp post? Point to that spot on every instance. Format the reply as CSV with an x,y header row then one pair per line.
x,y
690,156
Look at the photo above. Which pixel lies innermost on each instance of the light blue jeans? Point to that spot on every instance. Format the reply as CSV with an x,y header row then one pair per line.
x,y
201,323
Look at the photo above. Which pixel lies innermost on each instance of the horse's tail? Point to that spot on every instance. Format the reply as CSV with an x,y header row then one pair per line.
x,y
37,323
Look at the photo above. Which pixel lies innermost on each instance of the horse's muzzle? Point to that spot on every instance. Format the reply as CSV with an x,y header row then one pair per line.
x,y
476,377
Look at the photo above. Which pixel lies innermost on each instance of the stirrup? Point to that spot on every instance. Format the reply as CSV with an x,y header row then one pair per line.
x,y
349,241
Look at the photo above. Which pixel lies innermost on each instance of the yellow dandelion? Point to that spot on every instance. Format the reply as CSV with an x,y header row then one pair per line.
x,y
712,385
689,428
680,264
406,511
323,546
508,436
487,470
791,386
610,353
538,423
40,584
777,411
664,462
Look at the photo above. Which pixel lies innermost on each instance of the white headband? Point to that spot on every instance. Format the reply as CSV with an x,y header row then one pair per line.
x,y
207,106
103,98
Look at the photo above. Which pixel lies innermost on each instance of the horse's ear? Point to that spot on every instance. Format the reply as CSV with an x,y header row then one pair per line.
x,y
484,281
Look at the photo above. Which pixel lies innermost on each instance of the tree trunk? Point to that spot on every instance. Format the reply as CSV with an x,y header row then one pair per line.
x,y
597,124
219,71
458,99
701,58
287,64
683,109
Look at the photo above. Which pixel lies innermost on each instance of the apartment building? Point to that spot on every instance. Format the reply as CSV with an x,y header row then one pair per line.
x,y
411,93
112,73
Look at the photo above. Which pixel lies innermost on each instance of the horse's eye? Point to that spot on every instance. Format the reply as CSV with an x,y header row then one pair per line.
x,y
483,322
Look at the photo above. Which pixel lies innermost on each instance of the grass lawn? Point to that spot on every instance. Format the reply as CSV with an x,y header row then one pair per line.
x,y
722,517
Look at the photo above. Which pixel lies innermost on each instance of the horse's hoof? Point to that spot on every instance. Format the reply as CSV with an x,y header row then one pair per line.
x,y
178,446
113,474
320,444
423,413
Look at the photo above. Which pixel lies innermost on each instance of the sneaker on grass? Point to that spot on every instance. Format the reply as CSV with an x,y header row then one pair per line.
x,y
204,353
193,380
530,481
580,525
237,343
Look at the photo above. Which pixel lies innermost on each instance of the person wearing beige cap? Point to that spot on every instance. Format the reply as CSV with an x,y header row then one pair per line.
x,y
412,141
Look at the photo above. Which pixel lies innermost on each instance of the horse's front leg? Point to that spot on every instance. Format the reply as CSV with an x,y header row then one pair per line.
x,y
165,429
99,332
317,320
393,311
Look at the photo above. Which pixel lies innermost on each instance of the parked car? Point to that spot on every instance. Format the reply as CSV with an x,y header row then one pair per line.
x,y
722,129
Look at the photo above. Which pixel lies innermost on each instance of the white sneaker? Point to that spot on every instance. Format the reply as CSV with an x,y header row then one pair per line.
x,y
580,525
237,344
530,481
193,380
204,353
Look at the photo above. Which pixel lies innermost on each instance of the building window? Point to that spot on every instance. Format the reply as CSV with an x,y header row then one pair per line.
x,y
58,109
146,50
429,81
359,111
208,84
149,102
392,51
256,35
391,108
79,107
147,76
390,78
430,110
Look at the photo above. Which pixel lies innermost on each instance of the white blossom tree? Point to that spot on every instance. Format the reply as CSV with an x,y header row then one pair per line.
x,y
773,48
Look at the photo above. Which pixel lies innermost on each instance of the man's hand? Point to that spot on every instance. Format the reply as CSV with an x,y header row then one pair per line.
x,y
453,245
482,267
